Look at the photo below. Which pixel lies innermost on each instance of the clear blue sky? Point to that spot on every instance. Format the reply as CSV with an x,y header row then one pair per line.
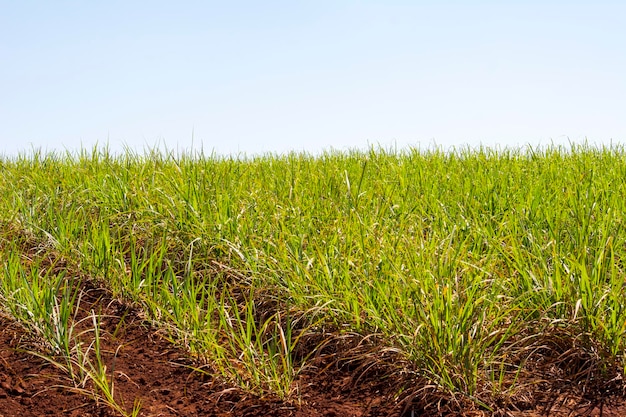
x,y
274,76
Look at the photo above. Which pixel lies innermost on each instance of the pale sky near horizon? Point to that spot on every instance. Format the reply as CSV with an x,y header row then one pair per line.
x,y
253,77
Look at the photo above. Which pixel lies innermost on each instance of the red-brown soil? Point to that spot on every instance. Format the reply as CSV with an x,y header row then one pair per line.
x,y
149,368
